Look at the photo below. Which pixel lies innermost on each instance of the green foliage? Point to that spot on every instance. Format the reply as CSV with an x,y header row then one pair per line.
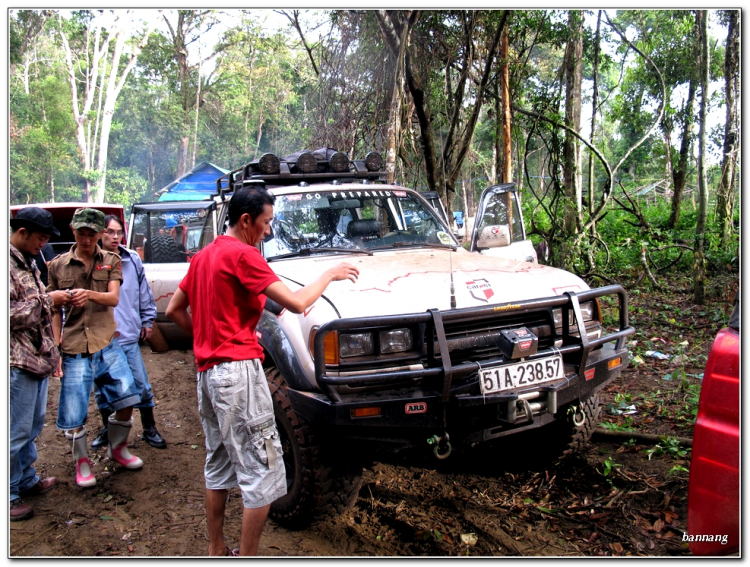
x,y
669,447
609,468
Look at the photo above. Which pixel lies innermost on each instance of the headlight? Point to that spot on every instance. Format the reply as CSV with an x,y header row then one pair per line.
x,y
397,340
587,311
356,344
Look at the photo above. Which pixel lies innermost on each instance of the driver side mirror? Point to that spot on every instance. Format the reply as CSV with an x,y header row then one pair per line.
x,y
494,236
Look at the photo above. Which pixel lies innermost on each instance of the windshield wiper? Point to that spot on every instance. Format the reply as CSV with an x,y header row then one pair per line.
x,y
308,251
406,244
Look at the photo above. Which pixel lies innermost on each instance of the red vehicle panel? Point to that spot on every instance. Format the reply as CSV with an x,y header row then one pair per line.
x,y
714,486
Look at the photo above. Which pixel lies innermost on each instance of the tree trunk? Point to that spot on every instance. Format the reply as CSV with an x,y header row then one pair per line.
x,y
497,146
680,173
699,267
114,87
507,159
594,103
571,148
397,98
80,114
725,194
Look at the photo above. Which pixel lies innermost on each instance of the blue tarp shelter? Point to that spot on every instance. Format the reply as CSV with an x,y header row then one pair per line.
x,y
196,185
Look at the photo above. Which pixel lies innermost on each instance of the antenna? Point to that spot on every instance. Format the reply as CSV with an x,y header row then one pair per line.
x,y
453,289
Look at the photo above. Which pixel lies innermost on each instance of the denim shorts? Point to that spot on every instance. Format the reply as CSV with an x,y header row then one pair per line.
x,y
242,444
109,369
137,367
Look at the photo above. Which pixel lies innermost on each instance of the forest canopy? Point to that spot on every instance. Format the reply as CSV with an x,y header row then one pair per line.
x,y
592,113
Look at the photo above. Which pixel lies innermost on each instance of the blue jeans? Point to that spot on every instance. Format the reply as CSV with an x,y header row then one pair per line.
x,y
135,361
28,404
109,370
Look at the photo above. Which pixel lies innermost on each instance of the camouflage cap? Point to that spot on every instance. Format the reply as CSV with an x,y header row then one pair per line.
x,y
88,218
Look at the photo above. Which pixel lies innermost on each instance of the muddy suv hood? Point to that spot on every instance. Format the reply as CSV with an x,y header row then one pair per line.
x,y
414,280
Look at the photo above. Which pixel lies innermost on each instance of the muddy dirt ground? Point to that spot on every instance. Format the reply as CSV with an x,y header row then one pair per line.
x,y
610,500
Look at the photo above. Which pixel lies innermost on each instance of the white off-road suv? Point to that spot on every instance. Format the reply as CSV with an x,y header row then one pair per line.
x,y
433,346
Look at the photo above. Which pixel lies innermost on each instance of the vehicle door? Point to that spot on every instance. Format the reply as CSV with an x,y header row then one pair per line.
x,y
498,229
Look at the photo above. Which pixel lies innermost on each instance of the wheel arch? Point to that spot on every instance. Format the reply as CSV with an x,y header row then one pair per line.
x,y
278,348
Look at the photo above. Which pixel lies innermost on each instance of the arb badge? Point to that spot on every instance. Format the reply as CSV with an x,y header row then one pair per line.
x,y
419,407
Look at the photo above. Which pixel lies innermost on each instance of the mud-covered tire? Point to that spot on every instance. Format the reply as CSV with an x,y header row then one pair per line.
x,y
163,249
576,438
157,342
536,449
320,484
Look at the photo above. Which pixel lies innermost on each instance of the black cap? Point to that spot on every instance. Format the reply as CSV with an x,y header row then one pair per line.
x,y
34,219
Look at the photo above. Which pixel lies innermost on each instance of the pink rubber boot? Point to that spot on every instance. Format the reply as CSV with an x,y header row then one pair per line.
x,y
118,443
79,446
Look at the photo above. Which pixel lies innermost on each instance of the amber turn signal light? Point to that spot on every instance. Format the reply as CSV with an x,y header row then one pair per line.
x,y
366,412
331,346
614,363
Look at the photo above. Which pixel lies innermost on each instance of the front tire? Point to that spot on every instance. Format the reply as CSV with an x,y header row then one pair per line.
x,y
319,482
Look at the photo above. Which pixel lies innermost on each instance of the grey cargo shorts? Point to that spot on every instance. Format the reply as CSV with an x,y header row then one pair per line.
x,y
242,444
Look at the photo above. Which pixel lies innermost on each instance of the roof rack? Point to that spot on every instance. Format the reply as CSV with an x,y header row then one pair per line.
x,y
311,166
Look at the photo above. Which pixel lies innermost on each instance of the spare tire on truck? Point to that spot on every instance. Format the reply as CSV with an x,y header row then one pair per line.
x,y
162,249
320,481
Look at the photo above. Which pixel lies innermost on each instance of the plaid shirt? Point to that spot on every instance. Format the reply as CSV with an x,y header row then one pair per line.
x,y
32,344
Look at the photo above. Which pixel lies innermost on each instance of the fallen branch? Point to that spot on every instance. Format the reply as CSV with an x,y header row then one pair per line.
x,y
597,275
646,438
650,276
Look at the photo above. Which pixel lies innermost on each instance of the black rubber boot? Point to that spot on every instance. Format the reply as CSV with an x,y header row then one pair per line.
x,y
150,435
102,440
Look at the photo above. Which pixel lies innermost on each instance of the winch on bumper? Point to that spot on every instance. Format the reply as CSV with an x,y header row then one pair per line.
x,y
440,389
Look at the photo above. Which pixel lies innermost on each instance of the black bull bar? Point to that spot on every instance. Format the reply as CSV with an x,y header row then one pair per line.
x,y
571,344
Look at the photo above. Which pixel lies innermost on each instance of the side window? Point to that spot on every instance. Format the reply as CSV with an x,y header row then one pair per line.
x,y
502,210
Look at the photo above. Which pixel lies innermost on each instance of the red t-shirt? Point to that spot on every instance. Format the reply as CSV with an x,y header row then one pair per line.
x,y
224,285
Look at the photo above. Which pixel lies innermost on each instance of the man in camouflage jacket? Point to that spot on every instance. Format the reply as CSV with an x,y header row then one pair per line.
x,y
33,354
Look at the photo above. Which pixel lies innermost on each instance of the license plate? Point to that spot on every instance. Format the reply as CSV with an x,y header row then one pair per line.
x,y
511,376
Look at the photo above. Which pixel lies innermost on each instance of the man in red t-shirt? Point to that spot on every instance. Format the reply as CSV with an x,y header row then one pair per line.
x,y
226,288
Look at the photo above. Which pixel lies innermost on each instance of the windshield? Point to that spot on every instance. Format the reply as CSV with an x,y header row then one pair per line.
x,y
169,236
346,220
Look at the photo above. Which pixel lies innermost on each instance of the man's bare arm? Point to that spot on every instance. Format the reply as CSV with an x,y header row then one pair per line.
x,y
177,310
109,298
298,301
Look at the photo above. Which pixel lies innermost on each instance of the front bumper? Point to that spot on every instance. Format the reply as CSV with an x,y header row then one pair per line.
x,y
444,396
408,414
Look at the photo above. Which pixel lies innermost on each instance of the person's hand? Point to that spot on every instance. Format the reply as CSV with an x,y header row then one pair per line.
x,y
344,271
60,297
145,333
59,372
80,297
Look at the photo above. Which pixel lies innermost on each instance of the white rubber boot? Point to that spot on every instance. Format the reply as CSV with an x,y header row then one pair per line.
x,y
79,446
118,443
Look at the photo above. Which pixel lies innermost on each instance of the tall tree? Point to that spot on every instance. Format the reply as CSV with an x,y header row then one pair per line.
x,y
725,193
462,82
688,118
25,26
187,28
571,147
699,267
96,84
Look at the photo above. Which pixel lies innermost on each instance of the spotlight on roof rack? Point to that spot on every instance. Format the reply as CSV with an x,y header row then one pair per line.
x,y
339,162
373,161
269,163
304,184
307,163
